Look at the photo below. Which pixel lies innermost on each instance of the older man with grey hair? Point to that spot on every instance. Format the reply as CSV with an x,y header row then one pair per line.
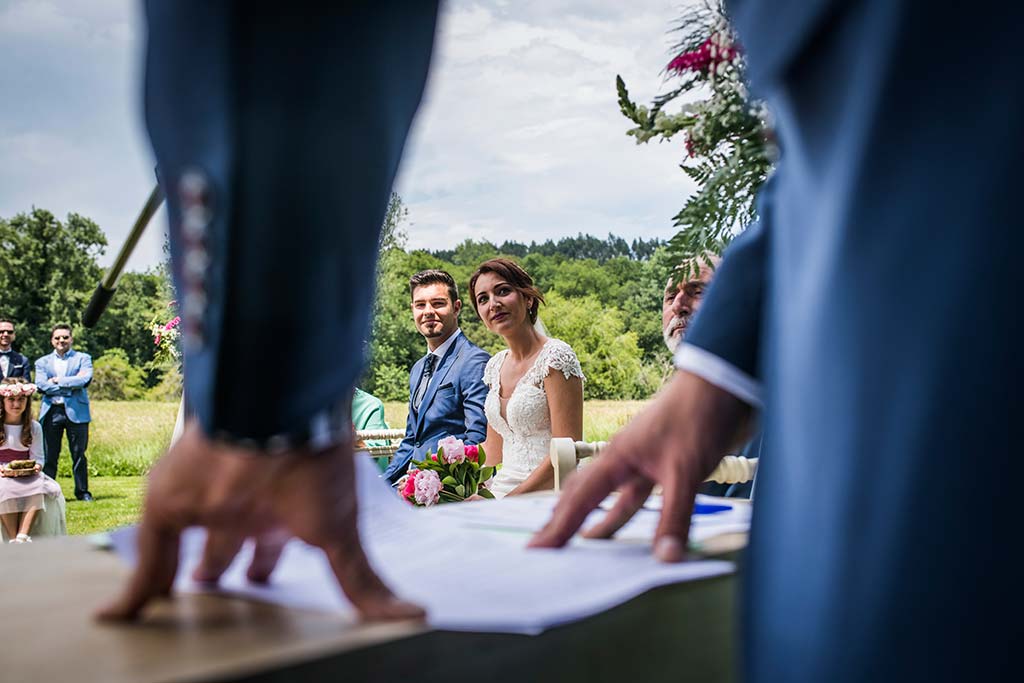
x,y
680,303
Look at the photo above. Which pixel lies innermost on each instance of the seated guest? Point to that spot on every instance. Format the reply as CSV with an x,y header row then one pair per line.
x,y
679,306
32,504
527,404
367,415
446,388
12,363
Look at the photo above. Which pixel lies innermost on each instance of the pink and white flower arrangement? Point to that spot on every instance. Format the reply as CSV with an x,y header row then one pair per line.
x,y
13,390
455,472
166,334
427,487
452,449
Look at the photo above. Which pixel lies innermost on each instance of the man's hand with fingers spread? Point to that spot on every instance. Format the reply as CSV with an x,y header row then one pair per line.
x,y
676,442
238,494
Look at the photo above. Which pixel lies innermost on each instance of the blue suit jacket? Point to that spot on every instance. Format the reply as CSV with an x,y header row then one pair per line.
x,y
296,122
888,338
72,388
452,406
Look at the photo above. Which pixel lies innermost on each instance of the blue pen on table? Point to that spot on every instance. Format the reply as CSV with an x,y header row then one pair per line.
x,y
709,508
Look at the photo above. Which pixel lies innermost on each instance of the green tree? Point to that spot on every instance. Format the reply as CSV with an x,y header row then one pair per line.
x,y
124,325
611,359
114,378
394,344
48,271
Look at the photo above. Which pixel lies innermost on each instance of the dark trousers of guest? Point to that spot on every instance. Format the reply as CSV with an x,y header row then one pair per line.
x,y
55,423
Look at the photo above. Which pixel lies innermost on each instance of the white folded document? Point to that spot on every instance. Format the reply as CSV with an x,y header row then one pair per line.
x,y
467,563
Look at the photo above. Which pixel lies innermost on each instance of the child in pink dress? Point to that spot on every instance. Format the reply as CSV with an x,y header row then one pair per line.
x,y
33,503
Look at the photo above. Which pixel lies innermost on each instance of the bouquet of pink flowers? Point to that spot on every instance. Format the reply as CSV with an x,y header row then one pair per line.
x,y
454,473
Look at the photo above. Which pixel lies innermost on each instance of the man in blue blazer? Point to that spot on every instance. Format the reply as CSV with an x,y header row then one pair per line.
x,y
887,322
446,387
62,378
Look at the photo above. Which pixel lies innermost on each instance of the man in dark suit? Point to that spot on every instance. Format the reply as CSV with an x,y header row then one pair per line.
x,y
12,363
887,325
446,387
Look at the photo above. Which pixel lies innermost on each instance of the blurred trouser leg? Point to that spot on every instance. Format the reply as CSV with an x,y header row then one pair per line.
x,y
53,430
78,441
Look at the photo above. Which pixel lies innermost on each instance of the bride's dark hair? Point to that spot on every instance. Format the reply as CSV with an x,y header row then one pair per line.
x,y
512,273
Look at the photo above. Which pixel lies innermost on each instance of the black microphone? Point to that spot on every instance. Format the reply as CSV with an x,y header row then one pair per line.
x,y
108,285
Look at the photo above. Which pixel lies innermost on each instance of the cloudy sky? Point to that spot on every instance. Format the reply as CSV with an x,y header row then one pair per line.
x,y
519,136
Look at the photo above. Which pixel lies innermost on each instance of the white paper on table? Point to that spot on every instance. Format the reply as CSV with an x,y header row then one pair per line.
x,y
466,563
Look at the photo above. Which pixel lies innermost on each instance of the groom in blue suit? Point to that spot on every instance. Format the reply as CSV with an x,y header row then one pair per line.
x,y
446,387
62,378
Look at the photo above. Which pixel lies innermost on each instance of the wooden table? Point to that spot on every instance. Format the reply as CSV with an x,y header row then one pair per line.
x,y
669,633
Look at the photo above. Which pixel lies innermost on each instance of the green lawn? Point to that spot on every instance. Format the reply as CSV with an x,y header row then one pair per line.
x,y
126,437
118,501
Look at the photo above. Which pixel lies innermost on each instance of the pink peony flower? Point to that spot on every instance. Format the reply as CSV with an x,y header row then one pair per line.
x,y
172,323
454,449
473,453
407,484
711,52
157,340
428,488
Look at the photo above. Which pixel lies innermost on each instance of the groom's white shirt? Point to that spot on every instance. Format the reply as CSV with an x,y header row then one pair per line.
x,y
443,348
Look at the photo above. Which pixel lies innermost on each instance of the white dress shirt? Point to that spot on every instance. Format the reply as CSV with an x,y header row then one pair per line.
x,y
60,369
443,348
721,373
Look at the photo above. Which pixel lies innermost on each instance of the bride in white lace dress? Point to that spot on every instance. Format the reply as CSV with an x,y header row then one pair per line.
x,y
527,404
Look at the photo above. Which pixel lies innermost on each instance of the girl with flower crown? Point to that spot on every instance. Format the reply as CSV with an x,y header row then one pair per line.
x,y
32,503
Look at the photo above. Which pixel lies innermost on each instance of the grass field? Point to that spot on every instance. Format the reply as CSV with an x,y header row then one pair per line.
x,y
126,437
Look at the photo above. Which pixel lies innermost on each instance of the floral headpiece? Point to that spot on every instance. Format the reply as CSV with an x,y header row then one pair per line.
x,y
12,390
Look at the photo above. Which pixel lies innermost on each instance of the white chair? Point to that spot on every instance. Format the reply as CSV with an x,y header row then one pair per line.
x,y
391,438
566,454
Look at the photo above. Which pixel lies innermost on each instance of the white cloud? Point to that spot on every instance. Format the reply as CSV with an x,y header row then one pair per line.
x,y
519,136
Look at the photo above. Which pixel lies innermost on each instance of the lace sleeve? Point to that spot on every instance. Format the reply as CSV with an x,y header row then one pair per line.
x,y
558,355
492,369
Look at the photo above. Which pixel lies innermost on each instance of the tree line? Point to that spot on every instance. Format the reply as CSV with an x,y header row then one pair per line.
x,y
603,298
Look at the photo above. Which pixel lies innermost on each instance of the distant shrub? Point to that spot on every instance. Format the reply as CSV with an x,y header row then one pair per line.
x,y
168,388
115,379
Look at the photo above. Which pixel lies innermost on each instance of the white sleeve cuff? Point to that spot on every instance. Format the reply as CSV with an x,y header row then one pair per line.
x,y
722,374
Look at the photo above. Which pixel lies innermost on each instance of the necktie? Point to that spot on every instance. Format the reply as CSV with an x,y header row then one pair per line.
x,y
421,389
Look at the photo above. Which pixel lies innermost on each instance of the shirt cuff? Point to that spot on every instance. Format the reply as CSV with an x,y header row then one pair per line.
x,y
721,373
